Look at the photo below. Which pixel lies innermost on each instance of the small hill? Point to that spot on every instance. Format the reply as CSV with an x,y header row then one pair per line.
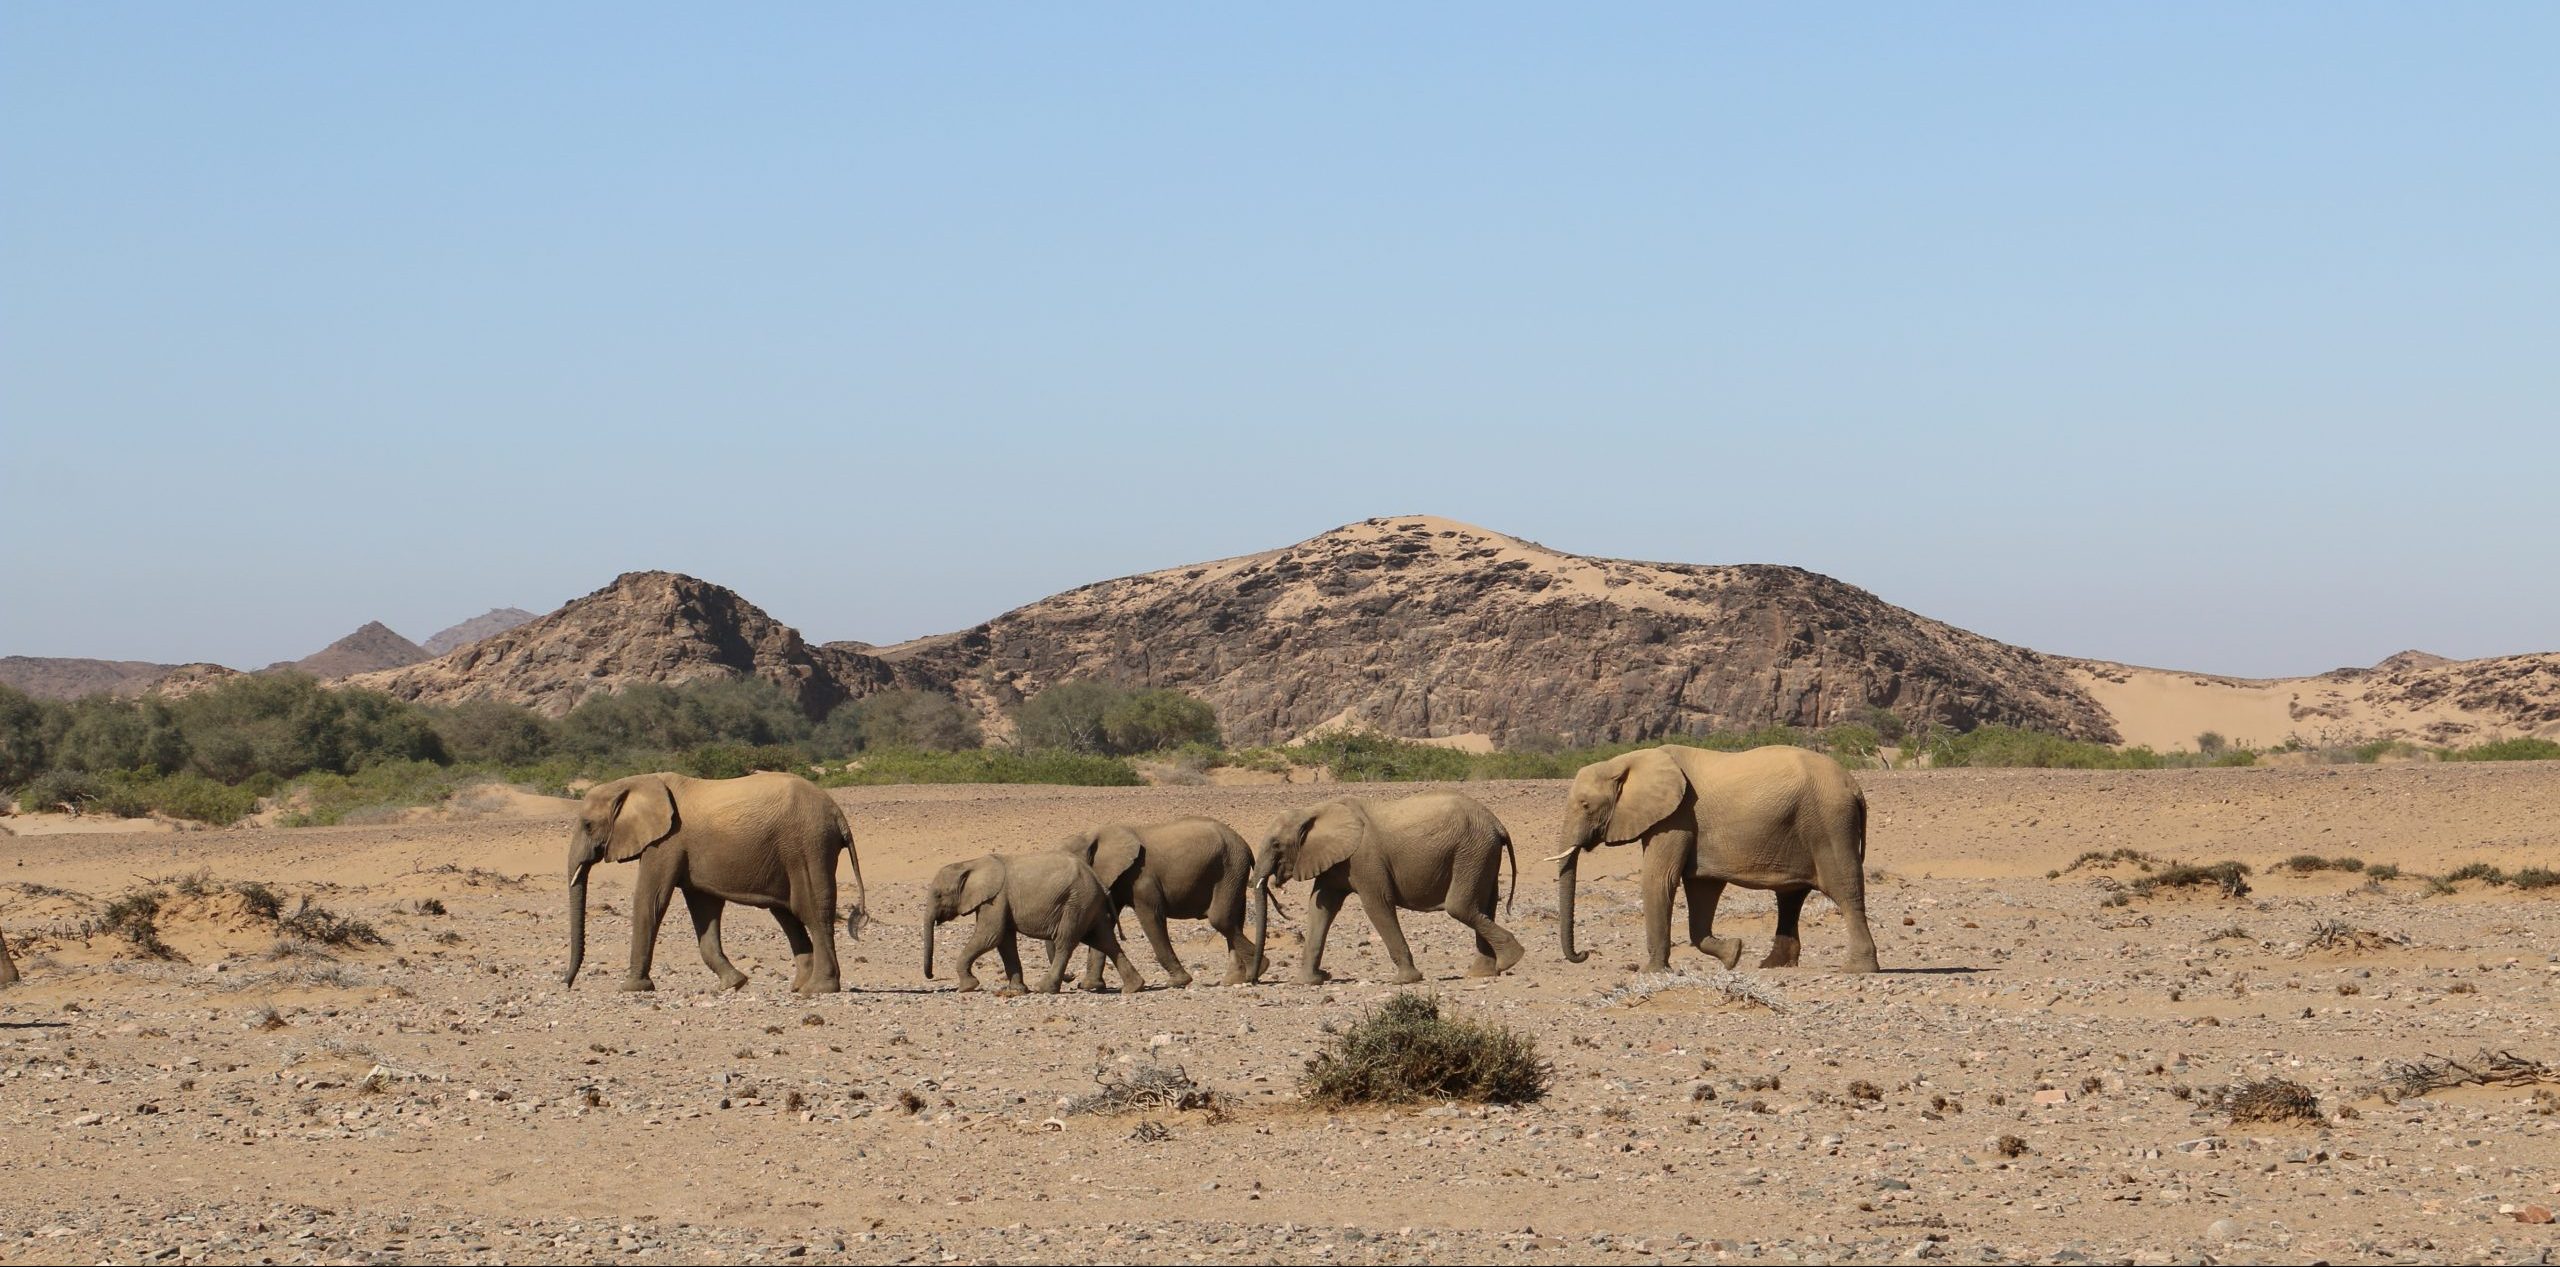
x,y
496,620
65,677
370,648
2413,695
646,627
1426,627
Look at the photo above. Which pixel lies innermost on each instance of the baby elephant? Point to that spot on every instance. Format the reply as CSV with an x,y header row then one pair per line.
x,y
1051,896
1190,868
1439,851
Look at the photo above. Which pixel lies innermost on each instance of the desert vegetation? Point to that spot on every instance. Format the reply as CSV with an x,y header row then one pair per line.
x,y
324,755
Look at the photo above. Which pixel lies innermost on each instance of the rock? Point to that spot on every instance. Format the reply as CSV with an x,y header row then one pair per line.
x,y
2534,1214
2052,1096
2222,1231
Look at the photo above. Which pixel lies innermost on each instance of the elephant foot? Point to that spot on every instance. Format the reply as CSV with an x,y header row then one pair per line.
x,y
1012,990
822,986
1506,957
1407,976
638,985
1092,985
966,984
1724,950
1783,953
1312,976
1181,982
1861,963
1237,978
1130,985
1483,966
733,980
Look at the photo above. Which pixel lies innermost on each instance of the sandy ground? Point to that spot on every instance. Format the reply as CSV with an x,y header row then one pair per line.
x,y
221,1109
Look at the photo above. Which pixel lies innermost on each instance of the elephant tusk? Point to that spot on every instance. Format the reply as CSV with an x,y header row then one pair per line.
x,y
1562,856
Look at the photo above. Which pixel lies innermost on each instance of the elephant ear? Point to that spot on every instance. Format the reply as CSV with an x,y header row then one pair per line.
x,y
1115,854
643,815
1332,832
980,884
1649,791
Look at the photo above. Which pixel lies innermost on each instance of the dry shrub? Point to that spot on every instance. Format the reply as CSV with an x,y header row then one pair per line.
x,y
1406,1051
320,924
1151,1087
2337,934
2231,877
2275,1100
2403,1079
135,917
2012,1146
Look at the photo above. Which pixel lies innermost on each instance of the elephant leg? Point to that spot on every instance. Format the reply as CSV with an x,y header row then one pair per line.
x,y
1496,948
985,937
1382,916
817,914
705,910
1850,895
1704,892
1322,906
1011,954
1151,922
649,893
1784,950
1105,940
796,931
1665,859
1240,964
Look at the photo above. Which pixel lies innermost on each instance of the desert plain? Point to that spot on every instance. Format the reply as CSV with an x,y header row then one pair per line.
x,y
2035,1078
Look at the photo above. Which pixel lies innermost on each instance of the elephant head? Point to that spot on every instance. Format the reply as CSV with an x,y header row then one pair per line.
x,y
1304,844
961,888
1612,802
618,822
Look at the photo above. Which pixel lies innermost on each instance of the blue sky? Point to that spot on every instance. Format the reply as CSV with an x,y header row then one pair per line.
x,y
2220,337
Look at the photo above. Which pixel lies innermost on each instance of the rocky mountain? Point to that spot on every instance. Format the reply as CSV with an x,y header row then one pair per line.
x,y
65,677
646,627
496,620
368,649
2413,696
1426,627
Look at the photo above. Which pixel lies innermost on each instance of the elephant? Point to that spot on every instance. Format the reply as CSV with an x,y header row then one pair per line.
x,y
1051,896
1190,868
1776,818
1440,851
765,839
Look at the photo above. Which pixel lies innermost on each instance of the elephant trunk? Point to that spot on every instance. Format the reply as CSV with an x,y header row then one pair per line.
x,y
577,919
1261,921
1568,869
929,925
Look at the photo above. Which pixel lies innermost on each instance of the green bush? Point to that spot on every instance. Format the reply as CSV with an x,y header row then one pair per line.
x,y
2507,750
649,718
24,751
729,760
986,765
905,718
1151,720
329,799
1405,1051
54,789
486,732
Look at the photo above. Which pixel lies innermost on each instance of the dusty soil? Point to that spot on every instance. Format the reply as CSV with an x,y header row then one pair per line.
x,y
442,1098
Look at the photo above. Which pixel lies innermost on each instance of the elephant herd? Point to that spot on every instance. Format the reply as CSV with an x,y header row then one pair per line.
x,y
1782,819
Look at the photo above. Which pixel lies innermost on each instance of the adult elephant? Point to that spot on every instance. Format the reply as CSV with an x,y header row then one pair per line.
x,y
1190,868
1440,851
1776,818
1050,896
766,840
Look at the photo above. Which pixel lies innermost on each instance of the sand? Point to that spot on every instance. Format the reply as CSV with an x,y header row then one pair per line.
x,y
443,1098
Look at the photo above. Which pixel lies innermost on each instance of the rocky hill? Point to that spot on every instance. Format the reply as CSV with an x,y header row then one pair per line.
x,y
368,649
2413,695
67,677
646,627
496,620
1425,627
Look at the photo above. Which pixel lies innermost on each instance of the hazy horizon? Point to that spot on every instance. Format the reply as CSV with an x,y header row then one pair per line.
x,y
2208,339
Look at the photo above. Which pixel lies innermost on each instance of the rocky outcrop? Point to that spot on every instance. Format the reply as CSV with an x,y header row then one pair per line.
x,y
496,620
1424,627
646,627
67,677
369,649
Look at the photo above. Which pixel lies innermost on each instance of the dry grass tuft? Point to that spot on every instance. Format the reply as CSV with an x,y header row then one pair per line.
x,y
2406,1079
1406,1051
1150,1087
2275,1100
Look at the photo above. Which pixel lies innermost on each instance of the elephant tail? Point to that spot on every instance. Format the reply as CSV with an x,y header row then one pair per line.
x,y
858,911
1858,825
1503,834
